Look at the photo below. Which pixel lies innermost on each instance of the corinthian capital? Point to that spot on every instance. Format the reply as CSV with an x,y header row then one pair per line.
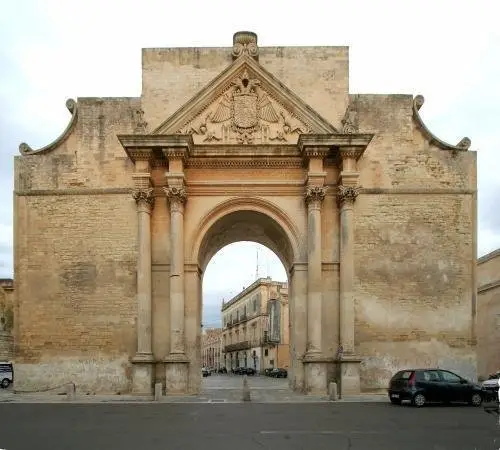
x,y
348,194
144,197
177,196
315,194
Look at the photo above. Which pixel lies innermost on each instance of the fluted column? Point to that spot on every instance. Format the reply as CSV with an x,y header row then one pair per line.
x,y
347,195
314,198
177,198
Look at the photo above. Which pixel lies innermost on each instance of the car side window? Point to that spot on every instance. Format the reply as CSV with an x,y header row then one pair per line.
x,y
450,377
431,375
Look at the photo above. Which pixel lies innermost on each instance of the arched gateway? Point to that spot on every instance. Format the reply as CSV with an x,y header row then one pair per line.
x,y
376,228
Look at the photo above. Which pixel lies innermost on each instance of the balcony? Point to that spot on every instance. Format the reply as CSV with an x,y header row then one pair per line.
x,y
243,345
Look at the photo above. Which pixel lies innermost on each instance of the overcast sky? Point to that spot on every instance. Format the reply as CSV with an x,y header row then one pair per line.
x,y
448,51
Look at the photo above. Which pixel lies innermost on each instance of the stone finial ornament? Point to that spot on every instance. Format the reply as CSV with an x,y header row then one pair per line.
x,y
350,121
141,125
245,43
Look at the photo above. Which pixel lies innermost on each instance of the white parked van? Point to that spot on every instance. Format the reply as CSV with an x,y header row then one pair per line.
x,y
6,374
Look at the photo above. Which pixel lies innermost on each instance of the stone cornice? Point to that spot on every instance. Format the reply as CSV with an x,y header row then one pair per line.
x,y
291,188
488,286
154,144
25,149
463,145
489,256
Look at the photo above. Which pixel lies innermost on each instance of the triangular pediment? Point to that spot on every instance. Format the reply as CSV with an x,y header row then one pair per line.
x,y
245,104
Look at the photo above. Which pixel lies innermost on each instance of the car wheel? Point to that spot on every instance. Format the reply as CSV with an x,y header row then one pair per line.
x,y
418,400
476,399
395,401
5,383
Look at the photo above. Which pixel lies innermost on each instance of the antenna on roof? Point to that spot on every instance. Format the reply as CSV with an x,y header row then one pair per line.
x,y
257,265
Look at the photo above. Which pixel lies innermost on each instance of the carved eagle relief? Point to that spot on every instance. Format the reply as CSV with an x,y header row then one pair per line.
x,y
245,114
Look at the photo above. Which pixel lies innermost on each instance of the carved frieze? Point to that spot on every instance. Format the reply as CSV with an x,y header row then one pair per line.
x,y
245,113
315,194
144,197
347,194
176,196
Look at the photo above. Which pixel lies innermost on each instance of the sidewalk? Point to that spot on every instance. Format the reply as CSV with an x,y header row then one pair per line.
x,y
207,396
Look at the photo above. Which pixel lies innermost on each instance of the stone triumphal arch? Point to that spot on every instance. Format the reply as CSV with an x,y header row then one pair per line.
x,y
371,215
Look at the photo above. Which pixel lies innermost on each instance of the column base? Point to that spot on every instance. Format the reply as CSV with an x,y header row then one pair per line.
x,y
176,374
349,375
315,373
142,373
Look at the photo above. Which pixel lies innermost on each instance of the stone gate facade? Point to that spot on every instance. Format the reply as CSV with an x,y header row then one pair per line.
x,y
373,217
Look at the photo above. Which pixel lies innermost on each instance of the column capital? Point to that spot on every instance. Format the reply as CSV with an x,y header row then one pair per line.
x,y
177,197
144,197
347,194
315,194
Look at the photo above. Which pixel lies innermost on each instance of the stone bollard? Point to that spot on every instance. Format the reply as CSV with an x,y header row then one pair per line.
x,y
246,389
158,391
70,391
332,391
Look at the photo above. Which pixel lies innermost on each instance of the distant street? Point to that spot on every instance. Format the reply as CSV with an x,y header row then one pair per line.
x,y
245,426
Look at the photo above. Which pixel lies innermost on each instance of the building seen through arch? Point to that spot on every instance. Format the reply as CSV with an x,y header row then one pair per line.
x,y
256,327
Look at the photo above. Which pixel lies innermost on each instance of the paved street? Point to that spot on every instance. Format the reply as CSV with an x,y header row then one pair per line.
x,y
245,426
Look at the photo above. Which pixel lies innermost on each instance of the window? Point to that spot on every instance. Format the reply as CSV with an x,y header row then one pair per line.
x,y
255,304
431,375
266,352
450,377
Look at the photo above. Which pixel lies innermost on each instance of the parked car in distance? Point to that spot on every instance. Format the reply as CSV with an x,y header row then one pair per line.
x,y
6,374
490,388
267,372
422,386
205,372
244,371
279,373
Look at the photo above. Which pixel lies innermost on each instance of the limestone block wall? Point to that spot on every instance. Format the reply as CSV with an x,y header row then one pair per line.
x,y
75,256
488,313
414,248
170,77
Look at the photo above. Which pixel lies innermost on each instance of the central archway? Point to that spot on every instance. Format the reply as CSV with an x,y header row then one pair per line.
x,y
257,221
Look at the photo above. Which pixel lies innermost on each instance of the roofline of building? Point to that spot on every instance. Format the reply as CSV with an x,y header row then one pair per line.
x,y
253,286
489,256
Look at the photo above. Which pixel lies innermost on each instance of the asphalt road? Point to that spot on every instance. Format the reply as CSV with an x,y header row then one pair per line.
x,y
244,426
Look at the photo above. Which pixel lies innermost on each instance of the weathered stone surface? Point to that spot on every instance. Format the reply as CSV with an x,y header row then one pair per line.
x,y
401,293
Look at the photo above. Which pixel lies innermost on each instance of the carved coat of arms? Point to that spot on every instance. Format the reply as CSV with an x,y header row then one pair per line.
x,y
246,113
